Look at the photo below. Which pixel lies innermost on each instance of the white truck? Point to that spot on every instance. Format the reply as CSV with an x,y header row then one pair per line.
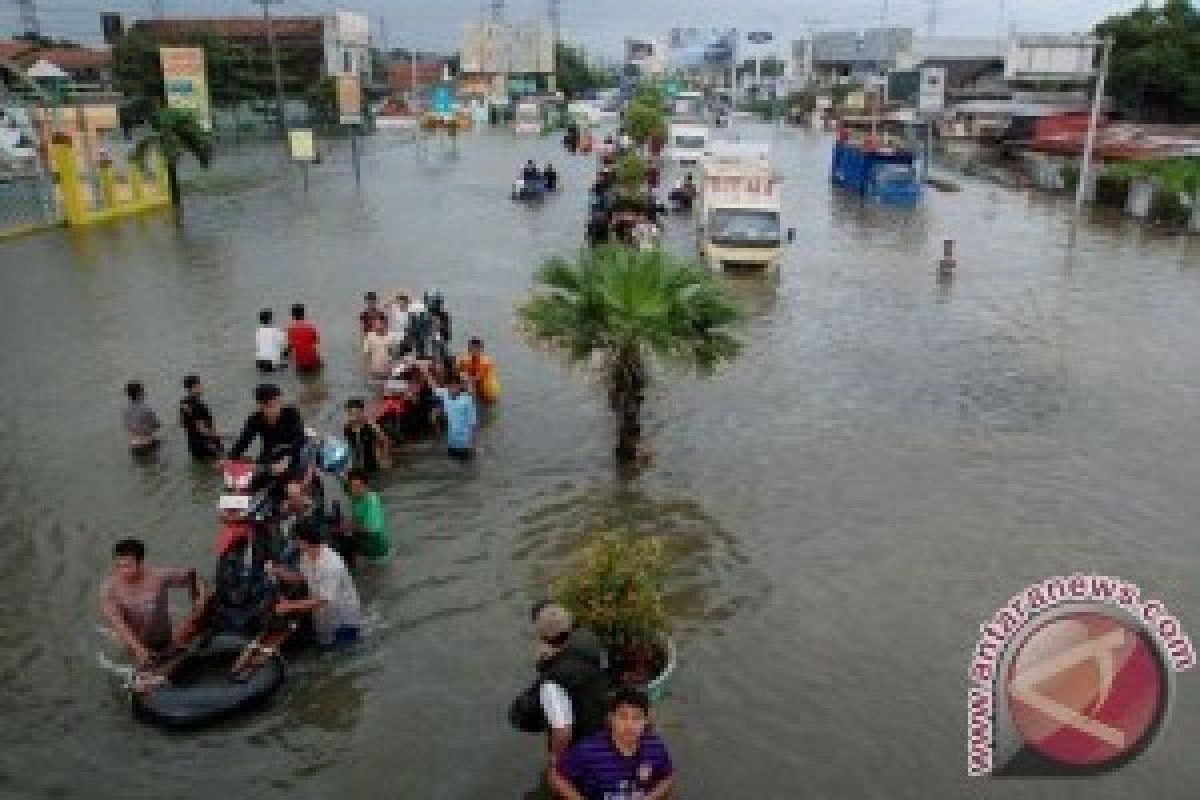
x,y
739,208
687,143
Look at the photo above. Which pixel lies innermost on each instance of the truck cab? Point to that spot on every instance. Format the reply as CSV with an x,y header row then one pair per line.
x,y
739,222
687,143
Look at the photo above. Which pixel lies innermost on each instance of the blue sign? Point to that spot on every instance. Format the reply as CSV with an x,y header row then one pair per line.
x,y
442,100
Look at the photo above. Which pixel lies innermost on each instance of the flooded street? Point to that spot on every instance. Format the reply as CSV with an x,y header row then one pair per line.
x,y
887,463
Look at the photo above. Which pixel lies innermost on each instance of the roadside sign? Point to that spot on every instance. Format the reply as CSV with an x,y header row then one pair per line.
x,y
184,82
349,100
933,90
301,145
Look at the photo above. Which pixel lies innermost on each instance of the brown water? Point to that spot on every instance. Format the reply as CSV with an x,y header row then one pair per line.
x,y
888,462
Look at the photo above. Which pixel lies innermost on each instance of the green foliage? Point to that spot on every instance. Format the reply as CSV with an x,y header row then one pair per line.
x,y
615,591
644,121
174,134
574,75
650,95
231,70
1155,66
1177,175
322,101
630,172
619,302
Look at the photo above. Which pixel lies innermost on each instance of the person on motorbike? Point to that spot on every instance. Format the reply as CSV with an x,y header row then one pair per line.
x,y
285,452
550,178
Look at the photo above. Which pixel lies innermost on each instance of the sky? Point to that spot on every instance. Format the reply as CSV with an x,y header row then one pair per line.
x,y
602,25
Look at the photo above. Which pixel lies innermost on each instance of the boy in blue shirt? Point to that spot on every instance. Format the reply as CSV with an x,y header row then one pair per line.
x,y
458,409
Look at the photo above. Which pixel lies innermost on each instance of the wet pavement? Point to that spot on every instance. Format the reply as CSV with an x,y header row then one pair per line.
x,y
889,461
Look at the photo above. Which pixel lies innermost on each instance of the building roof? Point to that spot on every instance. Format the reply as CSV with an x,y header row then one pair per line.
x,y
44,69
11,49
234,27
400,74
70,58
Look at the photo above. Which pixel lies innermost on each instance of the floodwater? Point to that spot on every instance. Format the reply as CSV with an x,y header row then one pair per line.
x,y
889,461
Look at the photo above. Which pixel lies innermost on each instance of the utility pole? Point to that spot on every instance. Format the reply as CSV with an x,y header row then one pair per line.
x,y
932,16
1085,171
29,17
554,13
157,9
274,48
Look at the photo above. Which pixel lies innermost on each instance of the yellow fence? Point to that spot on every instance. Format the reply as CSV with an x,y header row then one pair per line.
x,y
139,190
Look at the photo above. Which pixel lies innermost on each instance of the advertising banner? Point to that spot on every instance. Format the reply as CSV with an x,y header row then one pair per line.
x,y
349,100
301,145
692,48
933,90
184,82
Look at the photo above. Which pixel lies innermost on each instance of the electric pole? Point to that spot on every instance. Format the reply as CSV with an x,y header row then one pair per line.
x,y
29,17
157,10
274,48
932,17
554,13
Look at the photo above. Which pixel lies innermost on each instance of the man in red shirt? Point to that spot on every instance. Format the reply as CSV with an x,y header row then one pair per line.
x,y
303,339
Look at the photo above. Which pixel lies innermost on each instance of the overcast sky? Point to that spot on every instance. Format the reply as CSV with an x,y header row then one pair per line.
x,y
601,25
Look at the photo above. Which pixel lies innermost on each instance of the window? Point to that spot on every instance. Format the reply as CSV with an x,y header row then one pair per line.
x,y
744,226
690,142
347,62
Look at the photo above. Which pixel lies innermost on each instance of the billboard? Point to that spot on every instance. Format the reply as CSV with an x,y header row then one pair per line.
x,y
498,48
347,43
694,48
638,50
352,30
349,100
1051,58
184,82
932,99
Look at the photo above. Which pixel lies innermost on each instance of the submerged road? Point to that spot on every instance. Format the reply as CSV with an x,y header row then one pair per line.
x,y
890,460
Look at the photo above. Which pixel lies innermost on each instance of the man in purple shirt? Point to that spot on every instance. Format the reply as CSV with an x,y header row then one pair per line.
x,y
628,761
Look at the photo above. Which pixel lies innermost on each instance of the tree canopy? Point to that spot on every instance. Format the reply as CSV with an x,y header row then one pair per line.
x,y
574,75
1154,72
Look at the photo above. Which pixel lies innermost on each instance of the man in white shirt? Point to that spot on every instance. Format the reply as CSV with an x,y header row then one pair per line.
x,y
333,600
377,346
269,343
574,682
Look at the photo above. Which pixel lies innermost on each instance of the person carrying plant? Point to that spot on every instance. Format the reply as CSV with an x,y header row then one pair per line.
x,y
574,682
627,760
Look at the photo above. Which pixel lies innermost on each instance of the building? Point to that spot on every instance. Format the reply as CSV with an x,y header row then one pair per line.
x,y
85,67
500,59
310,48
849,57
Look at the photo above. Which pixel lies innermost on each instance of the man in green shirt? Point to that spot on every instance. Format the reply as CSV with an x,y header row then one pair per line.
x,y
371,539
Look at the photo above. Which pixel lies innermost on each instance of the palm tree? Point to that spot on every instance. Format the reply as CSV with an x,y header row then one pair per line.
x,y
628,306
175,133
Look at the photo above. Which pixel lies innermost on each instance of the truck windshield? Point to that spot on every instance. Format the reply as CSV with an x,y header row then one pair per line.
x,y
744,226
689,142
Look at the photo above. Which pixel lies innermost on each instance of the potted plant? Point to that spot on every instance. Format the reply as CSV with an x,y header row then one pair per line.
x,y
615,590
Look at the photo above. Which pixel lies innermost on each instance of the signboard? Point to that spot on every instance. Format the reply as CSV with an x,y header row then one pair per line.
x,y
184,82
691,48
759,37
932,99
301,145
353,30
638,50
521,86
1051,58
441,100
349,100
